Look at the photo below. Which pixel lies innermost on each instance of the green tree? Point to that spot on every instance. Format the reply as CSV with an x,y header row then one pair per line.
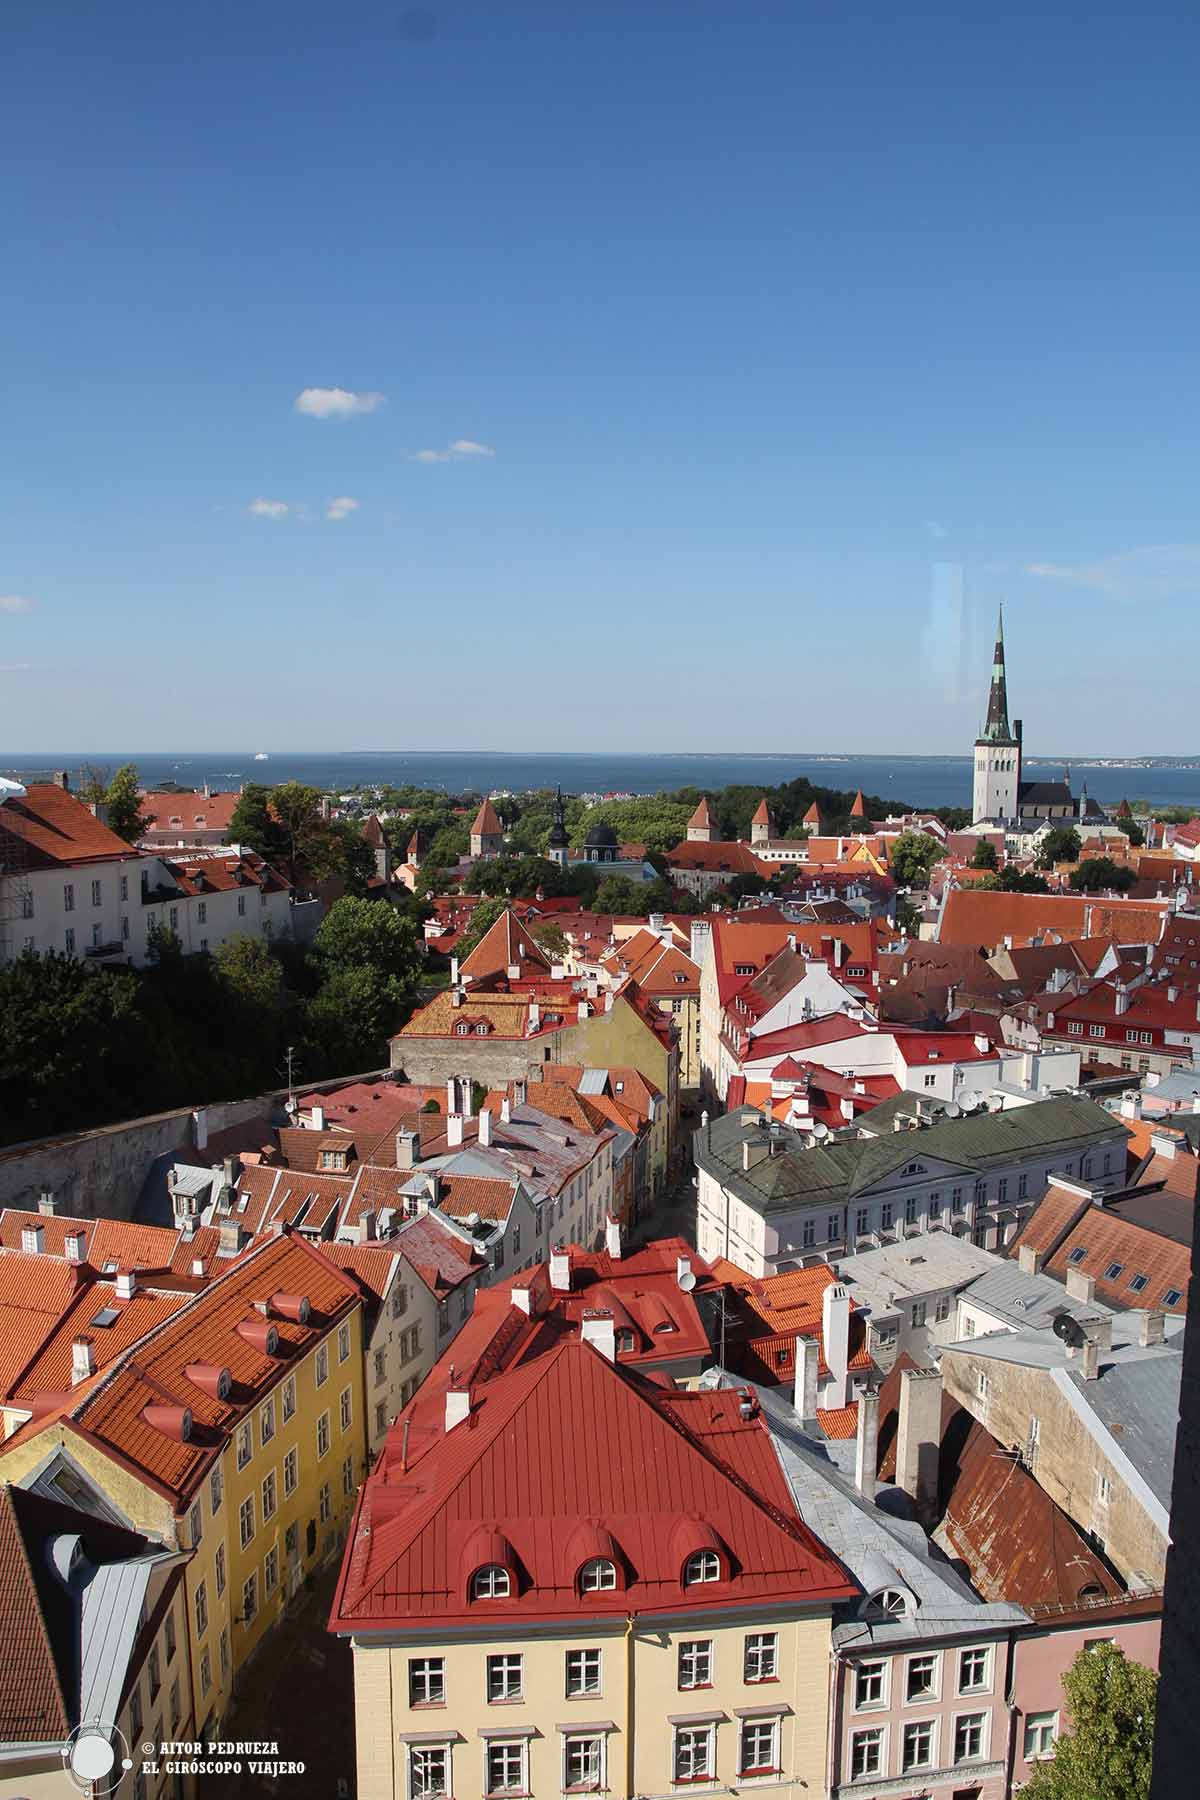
x,y
1133,832
1100,874
1108,1751
482,920
1022,881
617,894
348,1021
255,825
369,934
985,855
913,855
298,809
1060,845
124,804
551,940
337,850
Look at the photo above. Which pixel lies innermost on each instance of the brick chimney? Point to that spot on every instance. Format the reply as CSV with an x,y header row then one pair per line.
x,y
919,1437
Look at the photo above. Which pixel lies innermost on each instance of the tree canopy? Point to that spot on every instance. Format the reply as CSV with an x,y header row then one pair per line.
x,y
1107,1753
1100,874
913,855
985,855
1060,845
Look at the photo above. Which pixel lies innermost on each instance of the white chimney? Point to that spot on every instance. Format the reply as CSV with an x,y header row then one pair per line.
x,y
683,1267
867,1442
612,1237
318,1118
458,1406
454,1131
75,1244
33,1239
1151,1329
125,1284
804,1397
1121,1002
408,1149
47,1203
522,1299
835,1332
83,1362
506,1111
599,1330
1029,1259
1081,1286
454,971
485,1129
535,1016
919,1436
560,1269
451,1095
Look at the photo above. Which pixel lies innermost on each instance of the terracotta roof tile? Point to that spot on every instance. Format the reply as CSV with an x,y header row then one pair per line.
x,y
58,830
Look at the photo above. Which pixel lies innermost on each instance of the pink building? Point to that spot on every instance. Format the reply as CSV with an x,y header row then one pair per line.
x,y
1048,1646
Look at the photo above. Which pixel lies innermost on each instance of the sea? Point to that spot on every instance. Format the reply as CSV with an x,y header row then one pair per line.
x,y
921,781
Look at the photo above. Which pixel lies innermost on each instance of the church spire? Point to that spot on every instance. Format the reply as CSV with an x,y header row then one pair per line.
x,y
997,729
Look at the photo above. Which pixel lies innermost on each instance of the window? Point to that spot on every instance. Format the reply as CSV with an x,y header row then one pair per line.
x,y
174,918
269,1496
941,1311
862,1220
69,942
174,1703
757,1752
271,1570
968,1737
202,912
427,1681
246,1520
490,1583
956,1199
216,1490
1041,1729
348,1475
760,1661
205,1684
325,1507
291,1471
886,1215
1113,1270
343,1342
428,1771
694,1747
195,1524
809,1234
1172,1296
919,1314
583,1672
241,906
322,1364
972,1671
124,887
1077,1255
96,895
69,897
921,1681
935,1206
597,1574
323,1434
931,1081
833,1227
981,1384
910,1209
249,1598
1138,1282
169,1634
583,1764
345,1406
504,1678
266,1422
200,1604
245,1444
506,1767
866,1753
869,1685
219,1569
702,1565
289,1398
916,1746
695,1663
380,1364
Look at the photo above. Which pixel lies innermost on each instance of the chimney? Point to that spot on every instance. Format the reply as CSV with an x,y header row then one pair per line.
x,y
1029,1259
522,1299
62,780
1151,1329
1081,1286
599,1330
804,1397
366,1226
683,1268
506,1111
458,1406
835,1334
231,1236
451,1096
75,1245
519,1093
83,1362
454,971
867,1442
485,1129
535,1016
125,1284
513,972
33,1239
47,1205
1090,1366
584,1011
560,1269
918,1438
454,1131
408,1149
612,1237
318,1118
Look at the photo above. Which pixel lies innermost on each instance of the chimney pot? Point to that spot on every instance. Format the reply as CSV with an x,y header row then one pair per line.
x,y
125,1284
560,1269
454,1131
1029,1259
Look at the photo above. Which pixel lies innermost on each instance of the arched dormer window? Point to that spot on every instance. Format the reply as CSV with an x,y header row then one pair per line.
x,y
462,1030
890,1603
492,1582
481,1030
596,1558
701,1565
597,1574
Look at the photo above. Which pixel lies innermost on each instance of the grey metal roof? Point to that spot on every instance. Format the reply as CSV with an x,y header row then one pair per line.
x,y
1027,1300
847,1164
593,1081
918,1264
875,1546
111,1606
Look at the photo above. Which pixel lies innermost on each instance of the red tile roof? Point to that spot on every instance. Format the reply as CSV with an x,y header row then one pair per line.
x,y
56,830
981,917
486,823
173,815
652,1466
35,1293
124,1242
505,945
1110,1242
33,1702
702,819
839,1421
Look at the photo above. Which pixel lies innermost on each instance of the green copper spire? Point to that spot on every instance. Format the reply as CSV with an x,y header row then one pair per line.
x,y
997,730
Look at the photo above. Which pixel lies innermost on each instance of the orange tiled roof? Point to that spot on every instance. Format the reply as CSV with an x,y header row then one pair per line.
x,y
129,1322
461,1195
35,1293
839,1421
188,812
1112,1243
58,830
505,945
975,918
486,822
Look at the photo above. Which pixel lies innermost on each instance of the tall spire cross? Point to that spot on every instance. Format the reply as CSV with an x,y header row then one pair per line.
x,y
997,727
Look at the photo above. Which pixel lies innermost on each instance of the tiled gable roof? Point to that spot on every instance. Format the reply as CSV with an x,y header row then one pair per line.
x,y
33,1704
56,830
1130,1251
175,814
505,945
486,822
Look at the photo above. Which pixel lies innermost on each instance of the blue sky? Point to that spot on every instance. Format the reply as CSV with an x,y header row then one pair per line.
x,y
748,316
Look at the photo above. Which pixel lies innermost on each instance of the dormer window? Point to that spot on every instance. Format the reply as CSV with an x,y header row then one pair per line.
x,y
597,1575
492,1582
889,1603
625,1342
481,1030
702,1565
462,1030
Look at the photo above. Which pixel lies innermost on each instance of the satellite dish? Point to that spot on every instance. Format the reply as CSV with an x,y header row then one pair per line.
x,y
1069,1330
953,1110
971,1100
820,1131
686,1281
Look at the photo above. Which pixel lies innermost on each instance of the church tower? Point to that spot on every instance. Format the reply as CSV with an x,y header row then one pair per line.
x,y
559,850
997,749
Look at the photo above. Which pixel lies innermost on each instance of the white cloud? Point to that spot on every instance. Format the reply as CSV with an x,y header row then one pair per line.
x,y
1152,572
15,603
341,508
934,529
458,451
14,668
335,403
268,509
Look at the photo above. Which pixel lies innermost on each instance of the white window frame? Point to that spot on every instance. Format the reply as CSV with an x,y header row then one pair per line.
x,y
879,1732
908,1768
598,1575
1039,1722
884,1665
246,1511
323,1432
491,1589
701,1566
291,1467
694,1664
266,1422
344,1342
984,1686
499,1663
583,1690
506,1746
427,1672
763,1646
288,1408
984,1715
934,1691
706,1732
245,1443
770,1725
418,1751
588,1785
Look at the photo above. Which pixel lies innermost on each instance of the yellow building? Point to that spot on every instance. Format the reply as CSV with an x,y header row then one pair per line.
x,y
235,1431
561,1577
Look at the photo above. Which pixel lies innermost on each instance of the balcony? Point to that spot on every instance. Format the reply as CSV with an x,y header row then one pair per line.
x,y
95,952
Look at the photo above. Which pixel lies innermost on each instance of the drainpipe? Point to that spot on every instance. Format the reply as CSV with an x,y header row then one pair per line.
x,y
1009,1698
629,1794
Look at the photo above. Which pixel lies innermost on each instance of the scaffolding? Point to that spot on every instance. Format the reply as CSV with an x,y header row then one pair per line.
x,y
16,894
